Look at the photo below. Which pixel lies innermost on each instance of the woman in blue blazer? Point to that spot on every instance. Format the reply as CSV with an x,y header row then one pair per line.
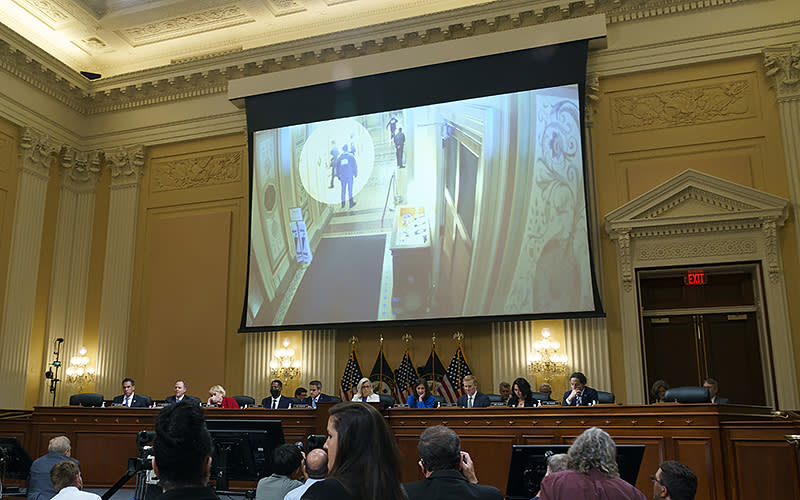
x,y
422,397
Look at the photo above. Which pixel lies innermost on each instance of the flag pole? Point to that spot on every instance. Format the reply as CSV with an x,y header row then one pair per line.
x,y
433,363
353,342
459,336
380,370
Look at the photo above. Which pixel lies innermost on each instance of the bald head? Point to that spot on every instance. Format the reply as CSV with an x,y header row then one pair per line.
x,y
317,463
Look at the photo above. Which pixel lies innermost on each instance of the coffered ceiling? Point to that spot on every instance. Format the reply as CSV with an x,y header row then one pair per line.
x,y
114,37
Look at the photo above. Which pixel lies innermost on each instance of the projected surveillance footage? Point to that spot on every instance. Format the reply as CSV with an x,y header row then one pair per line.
x,y
469,208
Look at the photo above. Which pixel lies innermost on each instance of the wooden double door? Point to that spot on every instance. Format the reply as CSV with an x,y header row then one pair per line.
x,y
690,334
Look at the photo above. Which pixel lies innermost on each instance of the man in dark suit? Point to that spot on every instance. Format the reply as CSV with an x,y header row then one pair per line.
x,y
275,400
315,394
449,472
580,394
39,485
713,389
129,397
472,398
180,395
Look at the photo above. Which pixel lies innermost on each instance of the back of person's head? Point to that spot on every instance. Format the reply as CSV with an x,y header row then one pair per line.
x,y
182,446
367,459
594,450
558,462
63,474
679,480
59,444
317,463
657,386
439,448
286,458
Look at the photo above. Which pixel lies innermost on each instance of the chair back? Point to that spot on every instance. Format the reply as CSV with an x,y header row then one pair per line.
x,y
387,401
437,400
605,397
336,399
86,399
495,398
244,400
687,394
540,396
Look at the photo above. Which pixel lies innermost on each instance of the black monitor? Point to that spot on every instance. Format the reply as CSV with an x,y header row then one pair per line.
x,y
243,449
15,463
529,465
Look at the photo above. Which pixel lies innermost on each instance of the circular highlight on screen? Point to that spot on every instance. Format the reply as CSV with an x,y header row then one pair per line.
x,y
335,152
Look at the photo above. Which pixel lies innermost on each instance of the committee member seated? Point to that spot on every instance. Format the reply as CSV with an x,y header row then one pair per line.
x,y
471,397
504,390
546,388
449,472
593,474
300,393
129,397
713,391
315,394
39,485
286,461
364,392
674,481
217,397
315,468
522,396
421,397
182,454
180,395
66,478
658,391
276,400
580,394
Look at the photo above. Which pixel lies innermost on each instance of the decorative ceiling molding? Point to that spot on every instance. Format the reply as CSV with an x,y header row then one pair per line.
x,y
47,11
201,76
175,27
784,65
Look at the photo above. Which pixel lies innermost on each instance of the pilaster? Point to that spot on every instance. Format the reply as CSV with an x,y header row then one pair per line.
x,y
318,360
257,355
586,346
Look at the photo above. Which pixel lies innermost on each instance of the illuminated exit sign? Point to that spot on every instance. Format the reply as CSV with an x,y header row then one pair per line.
x,y
695,277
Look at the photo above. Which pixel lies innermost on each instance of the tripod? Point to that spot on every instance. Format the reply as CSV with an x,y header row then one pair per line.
x,y
52,373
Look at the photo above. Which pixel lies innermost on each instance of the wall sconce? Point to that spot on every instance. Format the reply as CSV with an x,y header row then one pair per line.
x,y
283,365
545,360
78,371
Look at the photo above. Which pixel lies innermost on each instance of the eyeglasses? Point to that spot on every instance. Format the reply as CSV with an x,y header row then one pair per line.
x,y
654,479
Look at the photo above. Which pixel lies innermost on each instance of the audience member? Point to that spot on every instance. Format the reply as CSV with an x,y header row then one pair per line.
x,y
363,457
300,393
422,397
674,481
286,461
364,392
449,472
593,474
315,468
713,390
580,394
521,396
555,463
315,394
182,453
129,397
66,478
180,394
471,397
39,485
217,397
658,391
546,388
504,389
275,400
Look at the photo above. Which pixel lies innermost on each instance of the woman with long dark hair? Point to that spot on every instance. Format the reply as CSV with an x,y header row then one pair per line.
x,y
363,457
521,394
421,397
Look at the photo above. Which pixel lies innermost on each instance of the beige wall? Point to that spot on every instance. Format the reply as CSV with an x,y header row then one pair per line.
x,y
9,167
718,118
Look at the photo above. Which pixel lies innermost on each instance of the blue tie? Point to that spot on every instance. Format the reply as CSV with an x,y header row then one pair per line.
x,y
313,403
127,401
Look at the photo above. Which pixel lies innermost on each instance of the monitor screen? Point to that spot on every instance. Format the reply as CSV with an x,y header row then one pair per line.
x,y
445,192
529,466
243,449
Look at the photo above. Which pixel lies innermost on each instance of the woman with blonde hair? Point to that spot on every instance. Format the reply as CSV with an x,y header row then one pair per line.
x,y
364,392
218,398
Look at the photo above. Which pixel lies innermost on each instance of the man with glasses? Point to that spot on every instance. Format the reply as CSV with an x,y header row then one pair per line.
x,y
674,481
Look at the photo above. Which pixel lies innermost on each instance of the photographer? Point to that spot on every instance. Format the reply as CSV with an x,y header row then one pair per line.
x,y
286,460
449,472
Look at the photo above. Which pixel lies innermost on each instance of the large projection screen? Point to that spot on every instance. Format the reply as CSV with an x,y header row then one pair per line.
x,y
447,192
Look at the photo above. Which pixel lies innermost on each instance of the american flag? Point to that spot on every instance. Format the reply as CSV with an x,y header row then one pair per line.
x,y
352,374
404,377
457,369
434,370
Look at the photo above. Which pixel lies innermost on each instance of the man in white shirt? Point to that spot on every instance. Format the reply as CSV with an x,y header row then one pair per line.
x,y
66,477
275,400
315,468
180,395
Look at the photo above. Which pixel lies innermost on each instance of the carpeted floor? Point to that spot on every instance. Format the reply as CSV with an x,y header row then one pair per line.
x,y
343,282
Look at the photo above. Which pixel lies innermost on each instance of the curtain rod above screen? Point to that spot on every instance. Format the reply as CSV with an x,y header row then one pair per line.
x,y
582,28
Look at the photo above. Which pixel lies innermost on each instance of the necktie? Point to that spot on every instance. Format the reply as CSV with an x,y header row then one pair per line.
x,y
128,402
274,404
313,403
469,403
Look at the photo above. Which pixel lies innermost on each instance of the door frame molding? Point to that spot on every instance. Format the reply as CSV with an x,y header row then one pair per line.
x,y
695,219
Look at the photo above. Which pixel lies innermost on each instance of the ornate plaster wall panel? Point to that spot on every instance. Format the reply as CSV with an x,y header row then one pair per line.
x,y
283,7
47,11
176,27
187,173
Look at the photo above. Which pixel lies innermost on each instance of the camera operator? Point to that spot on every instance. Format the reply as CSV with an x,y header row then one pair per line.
x,y
286,460
182,453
